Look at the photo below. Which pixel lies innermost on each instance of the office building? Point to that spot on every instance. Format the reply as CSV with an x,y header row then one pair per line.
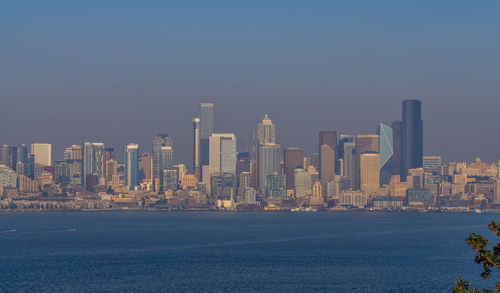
x,y
386,151
370,172
266,131
294,157
412,137
396,146
343,138
275,185
206,130
159,141
170,180
196,147
327,138
327,165
432,164
146,167
268,164
364,143
222,153
223,185
349,162
43,153
303,182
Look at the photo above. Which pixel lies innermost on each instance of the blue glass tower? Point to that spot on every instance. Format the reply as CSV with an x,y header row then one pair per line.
x,y
131,165
411,137
386,151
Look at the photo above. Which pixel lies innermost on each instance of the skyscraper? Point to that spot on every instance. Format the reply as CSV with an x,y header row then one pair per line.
x,y
206,129
349,159
93,162
396,146
43,153
266,131
8,156
369,172
222,149
412,137
165,162
364,143
294,157
327,165
87,166
99,167
343,138
146,166
159,141
386,152
268,164
328,138
196,147
131,165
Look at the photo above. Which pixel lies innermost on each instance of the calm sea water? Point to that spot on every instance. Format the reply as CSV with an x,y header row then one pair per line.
x,y
237,252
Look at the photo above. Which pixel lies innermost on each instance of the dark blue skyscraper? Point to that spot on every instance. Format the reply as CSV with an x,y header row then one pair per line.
x,y
206,129
411,137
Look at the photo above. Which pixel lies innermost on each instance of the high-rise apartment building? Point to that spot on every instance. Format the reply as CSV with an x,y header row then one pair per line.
x,y
412,137
132,165
43,153
294,157
386,151
93,162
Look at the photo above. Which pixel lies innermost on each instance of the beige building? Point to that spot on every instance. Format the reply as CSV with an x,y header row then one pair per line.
x,y
317,194
43,153
188,181
146,164
396,187
370,172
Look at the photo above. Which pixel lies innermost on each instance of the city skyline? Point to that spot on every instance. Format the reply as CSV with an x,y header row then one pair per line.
x,y
116,90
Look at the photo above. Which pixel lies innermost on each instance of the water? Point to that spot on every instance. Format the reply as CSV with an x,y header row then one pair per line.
x,y
237,252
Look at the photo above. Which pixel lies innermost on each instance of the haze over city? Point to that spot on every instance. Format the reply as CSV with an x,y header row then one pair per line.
x,y
92,71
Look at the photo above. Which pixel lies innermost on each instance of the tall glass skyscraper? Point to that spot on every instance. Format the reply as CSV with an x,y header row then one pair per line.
x,y
131,165
269,163
196,147
412,137
87,166
386,151
159,141
206,129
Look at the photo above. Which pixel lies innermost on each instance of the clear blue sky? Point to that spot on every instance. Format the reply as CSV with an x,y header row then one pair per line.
x,y
122,71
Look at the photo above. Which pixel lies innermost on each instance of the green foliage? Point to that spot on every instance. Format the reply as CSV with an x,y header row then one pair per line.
x,y
488,259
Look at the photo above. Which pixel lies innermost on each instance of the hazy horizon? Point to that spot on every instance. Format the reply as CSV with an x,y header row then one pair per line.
x,y
121,73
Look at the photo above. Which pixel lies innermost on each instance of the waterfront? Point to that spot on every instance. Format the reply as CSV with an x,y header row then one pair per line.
x,y
235,252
